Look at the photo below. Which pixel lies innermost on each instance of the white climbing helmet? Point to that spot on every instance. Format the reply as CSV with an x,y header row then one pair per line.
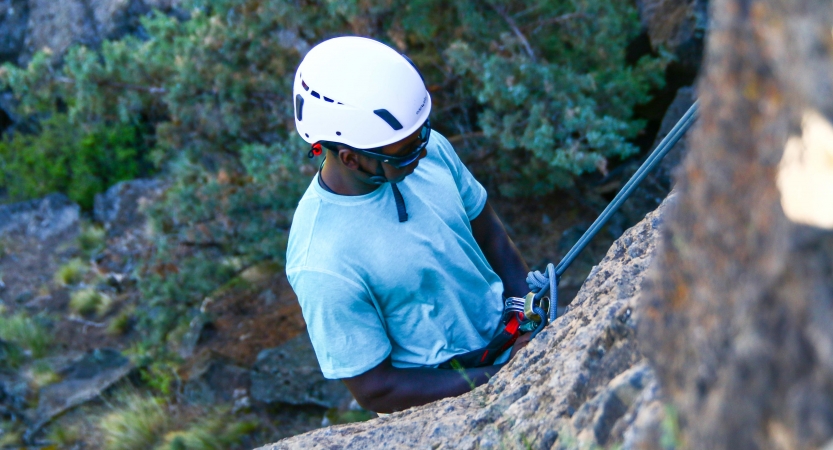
x,y
358,92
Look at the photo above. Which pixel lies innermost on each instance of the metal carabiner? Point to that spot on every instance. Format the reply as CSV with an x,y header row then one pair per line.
x,y
530,305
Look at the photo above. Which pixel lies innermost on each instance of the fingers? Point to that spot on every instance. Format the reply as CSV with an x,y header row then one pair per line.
x,y
520,343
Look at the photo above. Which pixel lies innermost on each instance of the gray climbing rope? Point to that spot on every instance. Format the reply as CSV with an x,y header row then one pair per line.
x,y
544,283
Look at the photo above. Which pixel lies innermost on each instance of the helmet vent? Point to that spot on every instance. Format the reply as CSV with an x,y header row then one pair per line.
x,y
318,96
299,107
388,118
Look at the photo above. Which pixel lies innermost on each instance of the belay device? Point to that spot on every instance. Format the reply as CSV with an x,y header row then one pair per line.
x,y
540,307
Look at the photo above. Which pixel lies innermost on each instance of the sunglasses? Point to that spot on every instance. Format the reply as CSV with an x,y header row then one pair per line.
x,y
396,161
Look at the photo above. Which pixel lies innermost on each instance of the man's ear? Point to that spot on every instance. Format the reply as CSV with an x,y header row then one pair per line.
x,y
349,158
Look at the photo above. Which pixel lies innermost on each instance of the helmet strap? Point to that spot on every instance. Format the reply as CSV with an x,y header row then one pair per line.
x,y
379,178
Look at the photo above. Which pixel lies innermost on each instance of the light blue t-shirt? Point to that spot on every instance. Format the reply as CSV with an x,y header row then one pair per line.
x,y
370,286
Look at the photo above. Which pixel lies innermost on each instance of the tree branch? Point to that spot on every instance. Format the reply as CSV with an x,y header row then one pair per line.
x,y
465,137
556,20
511,22
133,87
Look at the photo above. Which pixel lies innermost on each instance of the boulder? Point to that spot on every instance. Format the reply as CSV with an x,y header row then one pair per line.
x,y
14,393
82,380
42,219
291,374
211,378
14,18
580,383
59,24
677,25
119,209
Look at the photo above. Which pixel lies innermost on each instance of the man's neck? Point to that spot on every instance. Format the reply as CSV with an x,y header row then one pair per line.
x,y
341,180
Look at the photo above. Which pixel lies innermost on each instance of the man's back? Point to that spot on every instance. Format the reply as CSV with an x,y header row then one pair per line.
x,y
369,286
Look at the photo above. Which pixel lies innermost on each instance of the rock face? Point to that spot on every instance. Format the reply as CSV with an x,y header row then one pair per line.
x,y
27,26
737,325
14,16
581,382
83,380
677,25
291,374
41,219
119,209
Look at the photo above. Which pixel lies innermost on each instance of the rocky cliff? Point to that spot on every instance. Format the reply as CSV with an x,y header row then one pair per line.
x,y
27,26
738,325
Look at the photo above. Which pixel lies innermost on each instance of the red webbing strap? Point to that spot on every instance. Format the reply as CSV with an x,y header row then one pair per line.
x,y
486,356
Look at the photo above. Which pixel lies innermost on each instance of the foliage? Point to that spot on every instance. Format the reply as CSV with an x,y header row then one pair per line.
x,y
157,366
26,332
671,435
71,273
91,240
64,436
11,435
533,92
41,374
80,159
138,424
89,301
120,324
141,422
335,417
215,432
11,355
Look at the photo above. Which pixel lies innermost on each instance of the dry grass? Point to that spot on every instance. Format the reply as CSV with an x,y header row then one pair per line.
x,y
26,332
92,239
71,273
138,424
213,433
119,325
89,301
64,437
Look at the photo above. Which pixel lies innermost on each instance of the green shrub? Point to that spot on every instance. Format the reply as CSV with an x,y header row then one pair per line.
x,y
26,332
64,436
120,324
217,432
79,159
71,273
91,240
90,301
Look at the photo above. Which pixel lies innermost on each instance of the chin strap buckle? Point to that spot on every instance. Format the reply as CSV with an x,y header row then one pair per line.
x,y
316,150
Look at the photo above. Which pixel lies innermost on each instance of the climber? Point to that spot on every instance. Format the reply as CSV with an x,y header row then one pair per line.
x,y
397,258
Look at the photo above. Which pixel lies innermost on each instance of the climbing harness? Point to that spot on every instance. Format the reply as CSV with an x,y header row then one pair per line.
x,y
540,307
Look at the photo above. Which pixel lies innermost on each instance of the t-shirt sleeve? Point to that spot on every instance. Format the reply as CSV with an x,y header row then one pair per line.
x,y
344,326
471,191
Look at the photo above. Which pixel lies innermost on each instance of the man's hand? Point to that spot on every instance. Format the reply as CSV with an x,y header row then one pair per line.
x,y
520,343
386,389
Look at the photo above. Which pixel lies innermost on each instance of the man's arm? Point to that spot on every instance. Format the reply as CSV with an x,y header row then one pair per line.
x,y
386,389
501,252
